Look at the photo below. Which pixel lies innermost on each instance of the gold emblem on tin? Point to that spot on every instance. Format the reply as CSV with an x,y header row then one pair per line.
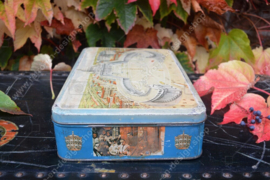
x,y
73,142
182,141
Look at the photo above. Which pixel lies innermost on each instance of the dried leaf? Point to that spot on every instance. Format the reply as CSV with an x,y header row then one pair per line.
x,y
22,33
186,5
143,38
57,14
205,27
188,40
62,67
25,63
217,6
262,61
201,59
41,62
78,18
229,83
196,6
9,106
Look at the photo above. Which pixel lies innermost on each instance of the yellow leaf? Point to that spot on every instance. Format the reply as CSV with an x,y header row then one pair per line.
x,y
3,30
32,31
78,18
32,7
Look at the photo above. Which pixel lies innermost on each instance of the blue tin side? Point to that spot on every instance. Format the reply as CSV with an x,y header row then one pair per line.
x,y
195,131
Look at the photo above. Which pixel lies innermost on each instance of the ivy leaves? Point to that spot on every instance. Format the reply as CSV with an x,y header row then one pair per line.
x,y
235,45
126,13
94,34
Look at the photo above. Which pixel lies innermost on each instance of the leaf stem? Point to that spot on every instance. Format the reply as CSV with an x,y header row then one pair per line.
x,y
258,34
53,96
258,89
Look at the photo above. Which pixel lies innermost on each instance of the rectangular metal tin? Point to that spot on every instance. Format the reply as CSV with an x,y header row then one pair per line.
x,y
118,89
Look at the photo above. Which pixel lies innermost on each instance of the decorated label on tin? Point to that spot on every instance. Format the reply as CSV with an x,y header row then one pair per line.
x,y
128,141
127,78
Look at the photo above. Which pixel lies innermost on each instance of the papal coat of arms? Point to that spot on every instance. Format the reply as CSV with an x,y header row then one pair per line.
x,y
73,142
182,141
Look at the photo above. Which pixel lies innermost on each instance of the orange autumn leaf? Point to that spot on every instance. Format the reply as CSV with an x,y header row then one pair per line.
x,y
217,6
143,38
229,83
188,40
204,27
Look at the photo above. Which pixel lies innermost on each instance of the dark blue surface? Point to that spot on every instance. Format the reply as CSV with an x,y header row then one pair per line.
x,y
227,149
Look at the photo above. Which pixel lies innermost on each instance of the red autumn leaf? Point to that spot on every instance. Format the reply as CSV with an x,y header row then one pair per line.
x,y
217,6
143,38
154,4
239,110
229,83
65,29
262,130
62,29
204,27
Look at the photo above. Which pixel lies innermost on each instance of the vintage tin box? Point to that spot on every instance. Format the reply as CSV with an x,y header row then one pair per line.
x,y
128,104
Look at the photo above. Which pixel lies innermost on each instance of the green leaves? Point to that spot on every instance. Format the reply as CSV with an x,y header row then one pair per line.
x,y
233,46
229,2
87,3
94,33
145,8
5,53
126,13
178,10
9,106
184,61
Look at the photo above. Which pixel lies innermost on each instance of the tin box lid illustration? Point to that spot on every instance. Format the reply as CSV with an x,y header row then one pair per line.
x,y
127,86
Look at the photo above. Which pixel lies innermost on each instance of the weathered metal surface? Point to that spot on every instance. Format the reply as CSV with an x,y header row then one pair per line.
x,y
135,94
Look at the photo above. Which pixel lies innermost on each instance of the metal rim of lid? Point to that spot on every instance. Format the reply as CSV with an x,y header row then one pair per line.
x,y
227,175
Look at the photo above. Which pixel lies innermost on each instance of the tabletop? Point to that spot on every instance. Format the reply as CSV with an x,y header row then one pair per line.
x,y
229,151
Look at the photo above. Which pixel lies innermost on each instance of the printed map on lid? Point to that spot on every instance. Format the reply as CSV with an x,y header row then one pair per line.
x,y
127,78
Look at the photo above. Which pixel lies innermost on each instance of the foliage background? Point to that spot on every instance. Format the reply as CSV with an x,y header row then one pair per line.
x,y
29,27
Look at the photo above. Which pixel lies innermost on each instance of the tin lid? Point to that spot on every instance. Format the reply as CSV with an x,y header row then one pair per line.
x,y
127,86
